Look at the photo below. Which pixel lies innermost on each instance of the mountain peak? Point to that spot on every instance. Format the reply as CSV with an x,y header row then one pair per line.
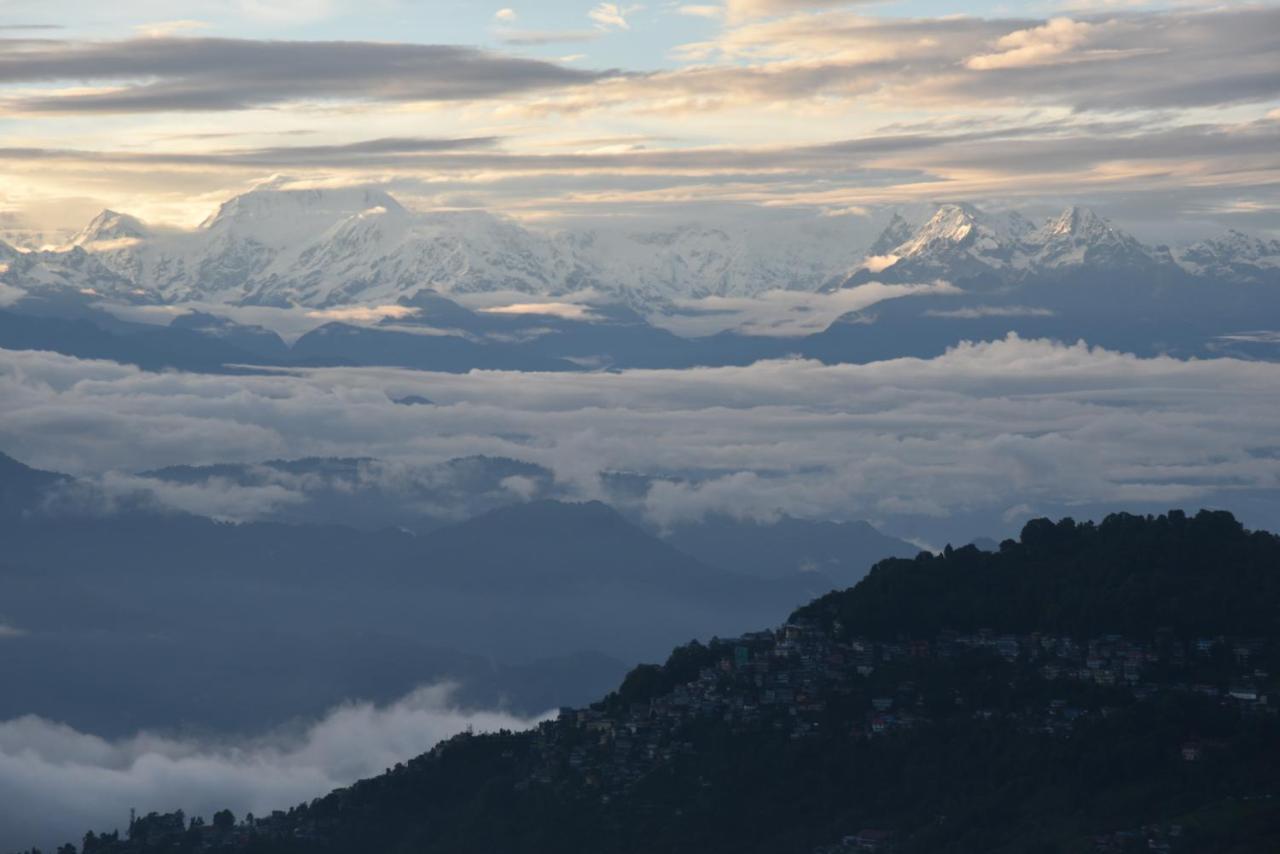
x,y
962,227
953,224
110,225
1077,221
1079,225
270,201
896,233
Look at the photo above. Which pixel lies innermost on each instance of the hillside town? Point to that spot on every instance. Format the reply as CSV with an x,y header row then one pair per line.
x,y
801,681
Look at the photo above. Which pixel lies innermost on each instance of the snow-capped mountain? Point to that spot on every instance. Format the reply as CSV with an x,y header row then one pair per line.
x,y
693,261
281,246
969,247
1235,256
109,228
333,247
324,247
1078,237
70,270
18,233
896,233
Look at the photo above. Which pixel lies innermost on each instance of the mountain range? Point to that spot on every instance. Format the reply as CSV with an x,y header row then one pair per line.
x,y
367,584
343,246
363,280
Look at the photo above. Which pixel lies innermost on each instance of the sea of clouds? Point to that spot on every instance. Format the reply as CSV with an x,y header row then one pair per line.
x,y
1001,429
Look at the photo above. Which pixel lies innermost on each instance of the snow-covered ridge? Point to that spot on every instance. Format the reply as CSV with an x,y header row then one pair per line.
x,y
961,243
327,247
360,246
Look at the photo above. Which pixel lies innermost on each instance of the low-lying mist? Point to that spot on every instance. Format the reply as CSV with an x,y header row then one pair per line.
x,y
57,782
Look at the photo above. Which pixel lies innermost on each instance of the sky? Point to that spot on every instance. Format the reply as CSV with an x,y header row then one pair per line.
x,y
1164,116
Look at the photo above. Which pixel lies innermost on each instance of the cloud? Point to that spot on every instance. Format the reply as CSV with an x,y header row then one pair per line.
x,y
982,428
201,74
1049,44
8,631
217,498
363,313
746,9
571,311
56,782
9,294
782,313
700,11
980,311
164,29
507,16
613,16
528,38
1164,59
879,263
1183,175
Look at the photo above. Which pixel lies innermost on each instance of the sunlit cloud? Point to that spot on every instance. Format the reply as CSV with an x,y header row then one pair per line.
x,y
364,313
569,311
700,11
783,313
164,29
613,16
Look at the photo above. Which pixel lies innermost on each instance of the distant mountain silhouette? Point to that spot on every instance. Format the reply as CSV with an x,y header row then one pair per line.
x,y
842,552
158,591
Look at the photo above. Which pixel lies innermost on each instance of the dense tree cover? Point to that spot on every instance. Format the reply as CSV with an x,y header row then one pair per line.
x,y
1196,576
647,681
958,787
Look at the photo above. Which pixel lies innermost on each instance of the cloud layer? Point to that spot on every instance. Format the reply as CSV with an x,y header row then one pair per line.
x,y
982,429
56,782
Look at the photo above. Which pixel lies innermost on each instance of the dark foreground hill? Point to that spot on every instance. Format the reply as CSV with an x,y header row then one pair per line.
x,y
1089,688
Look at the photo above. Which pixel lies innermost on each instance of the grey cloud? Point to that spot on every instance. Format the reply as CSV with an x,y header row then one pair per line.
x,y
529,38
1036,144
781,313
55,782
745,9
976,312
232,74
